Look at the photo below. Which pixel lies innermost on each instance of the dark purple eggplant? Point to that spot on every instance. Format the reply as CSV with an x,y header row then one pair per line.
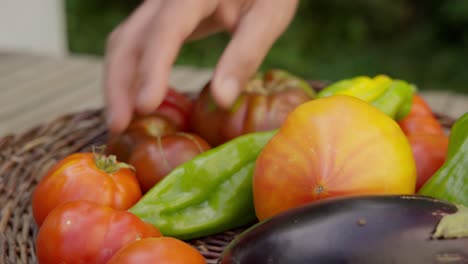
x,y
364,230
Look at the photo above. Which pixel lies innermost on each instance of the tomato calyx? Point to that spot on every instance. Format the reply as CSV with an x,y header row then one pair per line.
x,y
153,125
154,129
109,164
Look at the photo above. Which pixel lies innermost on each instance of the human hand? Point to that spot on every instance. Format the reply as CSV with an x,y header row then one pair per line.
x,y
142,50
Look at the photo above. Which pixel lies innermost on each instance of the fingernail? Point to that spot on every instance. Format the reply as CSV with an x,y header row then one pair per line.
x,y
227,92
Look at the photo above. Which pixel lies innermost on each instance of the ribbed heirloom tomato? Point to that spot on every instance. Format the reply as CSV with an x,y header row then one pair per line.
x,y
163,250
86,176
329,147
263,105
158,156
140,129
171,115
86,232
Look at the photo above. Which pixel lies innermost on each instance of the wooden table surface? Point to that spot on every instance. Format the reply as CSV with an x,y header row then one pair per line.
x,y
36,89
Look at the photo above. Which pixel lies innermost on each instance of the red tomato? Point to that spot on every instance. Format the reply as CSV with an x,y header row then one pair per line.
x,y
429,153
86,232
423,125
140,129
85,176
428,140
420,107
332,147
177,107
155,158
263,105
163,250
420,120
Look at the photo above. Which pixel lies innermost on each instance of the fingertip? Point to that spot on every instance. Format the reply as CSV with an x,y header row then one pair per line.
x,y
240,61
117,121
149,98
225,90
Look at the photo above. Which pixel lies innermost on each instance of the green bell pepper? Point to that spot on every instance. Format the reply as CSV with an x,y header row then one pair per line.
x,y
393,97
450,182
209,194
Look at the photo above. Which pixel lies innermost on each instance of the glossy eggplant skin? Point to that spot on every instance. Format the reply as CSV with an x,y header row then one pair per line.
x,y
359,230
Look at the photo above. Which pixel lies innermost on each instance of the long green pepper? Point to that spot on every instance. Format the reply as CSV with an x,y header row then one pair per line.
x,y
209,194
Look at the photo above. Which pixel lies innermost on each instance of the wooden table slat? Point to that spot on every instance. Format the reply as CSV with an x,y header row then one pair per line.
x,y
10,64
40,91
458,105
27,81
452,104
77,100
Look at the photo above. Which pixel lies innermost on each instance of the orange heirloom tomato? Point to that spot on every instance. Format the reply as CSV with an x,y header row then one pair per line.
x,y
86,176
330,147
86,232
428,140
162,250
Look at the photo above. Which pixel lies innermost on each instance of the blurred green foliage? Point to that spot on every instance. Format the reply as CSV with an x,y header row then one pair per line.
x,y
422,41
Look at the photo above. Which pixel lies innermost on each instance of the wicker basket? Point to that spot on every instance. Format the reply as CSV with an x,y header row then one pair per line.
x,y
25,158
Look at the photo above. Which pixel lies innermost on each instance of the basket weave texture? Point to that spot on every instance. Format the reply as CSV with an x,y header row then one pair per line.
x,y
25,158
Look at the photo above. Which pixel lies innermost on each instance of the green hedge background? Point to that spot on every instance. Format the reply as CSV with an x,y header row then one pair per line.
x,y
422,41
